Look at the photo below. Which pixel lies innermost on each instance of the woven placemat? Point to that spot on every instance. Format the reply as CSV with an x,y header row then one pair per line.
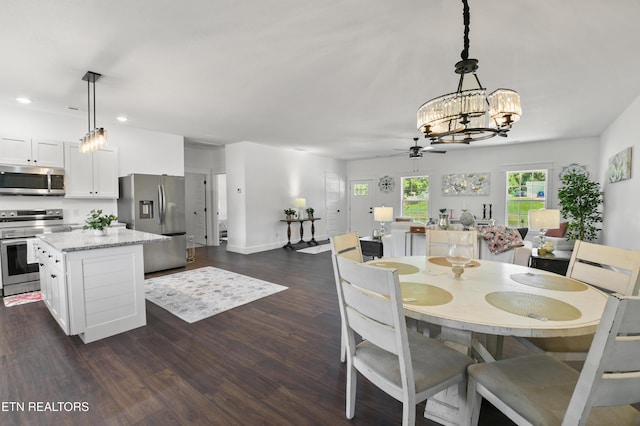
x,y
403,268
424,294
533,305
442,261
549,282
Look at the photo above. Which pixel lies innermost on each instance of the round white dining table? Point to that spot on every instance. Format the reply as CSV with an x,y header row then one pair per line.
x,y
496,298
490,300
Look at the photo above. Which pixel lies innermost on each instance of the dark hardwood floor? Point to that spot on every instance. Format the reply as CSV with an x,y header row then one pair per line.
x,y
274,361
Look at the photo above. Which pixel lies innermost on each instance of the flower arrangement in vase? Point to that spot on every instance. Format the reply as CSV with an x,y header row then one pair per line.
x,y
310,211
290,213
98,221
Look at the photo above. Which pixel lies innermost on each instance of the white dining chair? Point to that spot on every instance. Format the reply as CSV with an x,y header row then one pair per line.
x,y
405,364
438,242
612,269
542,390
347,245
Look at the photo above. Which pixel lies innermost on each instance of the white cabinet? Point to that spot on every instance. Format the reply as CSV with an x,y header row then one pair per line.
x,y
31,152
91,175
53,285
93,293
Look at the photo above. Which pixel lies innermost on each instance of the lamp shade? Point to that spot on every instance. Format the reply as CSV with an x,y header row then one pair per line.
x,y
300,202
383,214
544,219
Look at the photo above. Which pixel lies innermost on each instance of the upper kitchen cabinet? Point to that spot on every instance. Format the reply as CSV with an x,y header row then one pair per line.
x,y
91,175
31,152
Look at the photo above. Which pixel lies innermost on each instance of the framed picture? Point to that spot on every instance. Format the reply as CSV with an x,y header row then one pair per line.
x,y
620,166
466,184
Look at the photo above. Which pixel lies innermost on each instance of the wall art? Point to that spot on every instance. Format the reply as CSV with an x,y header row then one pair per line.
x,y
466,184
620,166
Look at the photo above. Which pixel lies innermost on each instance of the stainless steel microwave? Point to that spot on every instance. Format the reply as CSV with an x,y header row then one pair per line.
x,y
27,180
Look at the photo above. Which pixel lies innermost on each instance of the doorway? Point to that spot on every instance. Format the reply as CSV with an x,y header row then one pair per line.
x,y
196,207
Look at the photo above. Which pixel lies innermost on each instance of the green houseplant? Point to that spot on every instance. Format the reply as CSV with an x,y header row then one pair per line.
x,y
290,213
310,211
98,221
580,199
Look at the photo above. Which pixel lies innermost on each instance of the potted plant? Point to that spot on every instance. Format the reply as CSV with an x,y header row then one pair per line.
x,y
579,200
98,221
310,211
290,213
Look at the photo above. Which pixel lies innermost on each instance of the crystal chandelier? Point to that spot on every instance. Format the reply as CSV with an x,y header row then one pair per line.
x,y
97,137
468,114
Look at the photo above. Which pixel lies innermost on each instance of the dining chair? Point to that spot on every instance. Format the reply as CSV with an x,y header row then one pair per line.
x,y
403,363
612,269
438,242
542,390
347,245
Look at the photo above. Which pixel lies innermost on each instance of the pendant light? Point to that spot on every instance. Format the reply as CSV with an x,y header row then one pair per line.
x,y
96,137
468,114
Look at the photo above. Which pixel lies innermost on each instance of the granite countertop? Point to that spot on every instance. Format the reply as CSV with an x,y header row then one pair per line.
x,y
85,239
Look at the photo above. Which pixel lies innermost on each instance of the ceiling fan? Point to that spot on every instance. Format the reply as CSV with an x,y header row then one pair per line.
x,y
416,151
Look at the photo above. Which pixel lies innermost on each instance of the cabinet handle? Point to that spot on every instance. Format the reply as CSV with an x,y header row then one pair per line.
x,y
53,275
49,255
57,260
42,264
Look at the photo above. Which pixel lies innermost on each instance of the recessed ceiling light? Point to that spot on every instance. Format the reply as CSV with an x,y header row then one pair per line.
x,y
122,118
23,100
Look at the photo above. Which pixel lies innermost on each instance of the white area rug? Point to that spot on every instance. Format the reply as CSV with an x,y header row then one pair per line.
x,y
203,292
315,249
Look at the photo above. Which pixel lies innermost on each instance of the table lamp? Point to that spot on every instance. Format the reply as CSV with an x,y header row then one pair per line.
x,y
543,220
300,203
382,214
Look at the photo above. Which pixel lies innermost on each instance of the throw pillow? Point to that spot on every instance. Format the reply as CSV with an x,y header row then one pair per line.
x,y
558,232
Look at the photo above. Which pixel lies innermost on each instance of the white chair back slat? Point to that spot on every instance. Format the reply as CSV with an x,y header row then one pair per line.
x,y
438,242
379,334
624,355
610,268
369,304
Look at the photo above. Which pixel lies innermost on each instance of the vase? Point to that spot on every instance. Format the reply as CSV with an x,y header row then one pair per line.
x,y
466,219
310,216
291,217
100,232
443,221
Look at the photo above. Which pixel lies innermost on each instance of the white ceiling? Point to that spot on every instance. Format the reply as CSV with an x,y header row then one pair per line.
x,y
339,78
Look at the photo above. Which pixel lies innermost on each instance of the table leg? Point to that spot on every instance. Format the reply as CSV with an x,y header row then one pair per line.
x,y
301,232
313,241
288,245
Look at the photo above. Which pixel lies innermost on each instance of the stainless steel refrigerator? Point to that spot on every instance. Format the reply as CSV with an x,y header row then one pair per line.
x,y
155,203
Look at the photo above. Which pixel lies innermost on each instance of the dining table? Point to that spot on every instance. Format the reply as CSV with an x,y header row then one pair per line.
x,y
489,301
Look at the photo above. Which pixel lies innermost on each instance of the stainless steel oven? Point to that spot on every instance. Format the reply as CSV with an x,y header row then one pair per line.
x,y
16,227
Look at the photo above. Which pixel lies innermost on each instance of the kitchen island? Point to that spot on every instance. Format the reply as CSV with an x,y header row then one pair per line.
x,y
93,285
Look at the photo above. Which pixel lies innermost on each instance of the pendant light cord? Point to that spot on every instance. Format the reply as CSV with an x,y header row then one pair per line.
x,y
466,16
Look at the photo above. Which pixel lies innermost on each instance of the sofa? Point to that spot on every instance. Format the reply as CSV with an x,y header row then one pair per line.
x,y
558,238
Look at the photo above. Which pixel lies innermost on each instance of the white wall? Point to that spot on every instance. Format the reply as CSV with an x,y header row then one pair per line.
x,y
494,160
261,182
139,151
622,199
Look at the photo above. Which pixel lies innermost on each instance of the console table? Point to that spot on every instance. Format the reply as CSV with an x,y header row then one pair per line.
x,y
311,242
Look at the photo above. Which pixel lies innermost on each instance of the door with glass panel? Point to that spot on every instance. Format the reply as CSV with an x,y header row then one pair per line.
x,y
361,206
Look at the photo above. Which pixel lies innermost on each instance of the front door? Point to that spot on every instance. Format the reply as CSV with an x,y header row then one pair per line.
x,y
361,206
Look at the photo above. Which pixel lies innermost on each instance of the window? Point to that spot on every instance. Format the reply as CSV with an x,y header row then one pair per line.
x,y
526,190
361,189
415,198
